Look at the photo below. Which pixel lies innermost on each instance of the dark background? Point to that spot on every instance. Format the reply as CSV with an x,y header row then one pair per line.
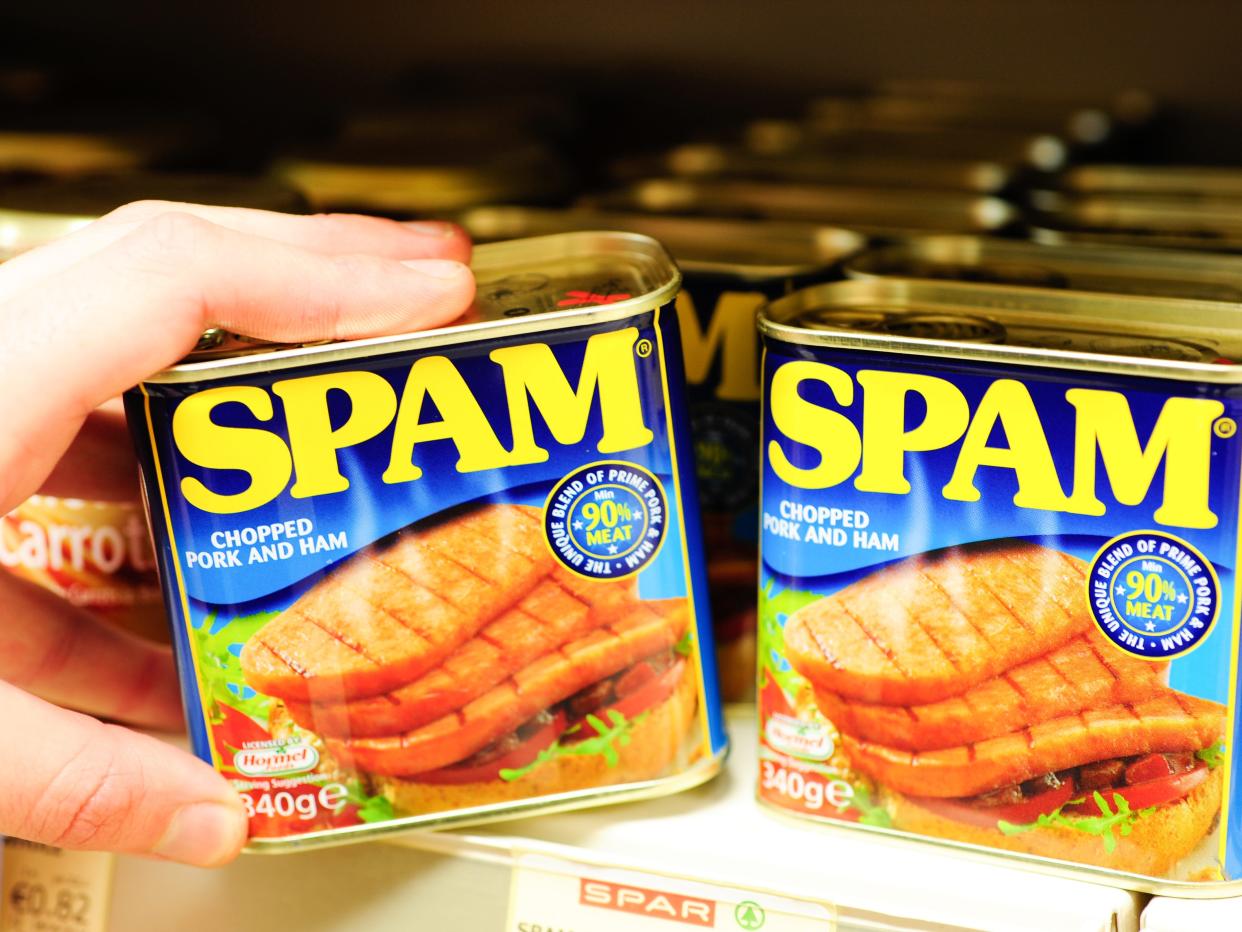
x,y
267,60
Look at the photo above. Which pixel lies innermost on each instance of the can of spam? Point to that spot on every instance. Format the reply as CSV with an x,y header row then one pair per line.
x,y
729,268
874,211
998,601
446,577
1081,267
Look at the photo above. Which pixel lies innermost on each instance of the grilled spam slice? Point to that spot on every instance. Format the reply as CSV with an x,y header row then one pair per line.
x,y
649,628
561,608
1085,673
1168,722
933,626
389,614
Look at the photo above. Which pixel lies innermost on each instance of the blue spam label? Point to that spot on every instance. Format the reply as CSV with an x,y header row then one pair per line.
x,y
998,607
436,579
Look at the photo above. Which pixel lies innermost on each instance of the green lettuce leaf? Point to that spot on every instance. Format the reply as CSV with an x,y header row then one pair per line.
x,y
607,738
774,606
1213,756
218,645
1106,826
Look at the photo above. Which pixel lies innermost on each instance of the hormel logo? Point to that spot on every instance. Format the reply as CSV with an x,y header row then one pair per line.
x,y
276,761
654,903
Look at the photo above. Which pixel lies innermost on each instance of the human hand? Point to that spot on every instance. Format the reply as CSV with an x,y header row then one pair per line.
x,y
81,320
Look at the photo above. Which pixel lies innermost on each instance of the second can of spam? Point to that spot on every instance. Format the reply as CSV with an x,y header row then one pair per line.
x,y
1000,543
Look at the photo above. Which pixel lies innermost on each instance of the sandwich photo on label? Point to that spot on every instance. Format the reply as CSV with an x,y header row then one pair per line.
x,y
973,688
458,664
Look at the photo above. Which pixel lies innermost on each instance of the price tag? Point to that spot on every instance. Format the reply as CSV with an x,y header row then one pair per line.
x,y
48,890
554,895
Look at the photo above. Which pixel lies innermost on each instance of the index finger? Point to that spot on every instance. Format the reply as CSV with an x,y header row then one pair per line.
x,y
329,234
89,333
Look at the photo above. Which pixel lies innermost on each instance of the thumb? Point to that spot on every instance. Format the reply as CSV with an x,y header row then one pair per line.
x,y
70,781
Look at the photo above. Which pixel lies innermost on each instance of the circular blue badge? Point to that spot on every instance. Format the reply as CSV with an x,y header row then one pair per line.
x,y
1153,594
606,520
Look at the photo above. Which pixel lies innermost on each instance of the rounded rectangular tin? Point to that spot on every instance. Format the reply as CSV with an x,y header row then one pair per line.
x,y
952,648
872,211
472,584
1115,270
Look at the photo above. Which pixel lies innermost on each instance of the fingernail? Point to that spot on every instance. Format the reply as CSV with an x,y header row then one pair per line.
x,y
436,268
432,227
203,834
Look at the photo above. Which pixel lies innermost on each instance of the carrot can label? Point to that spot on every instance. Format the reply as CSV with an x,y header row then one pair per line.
x,y
440,579
97,555
997,607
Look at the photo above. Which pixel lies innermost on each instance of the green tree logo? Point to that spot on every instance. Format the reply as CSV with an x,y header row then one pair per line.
x,y
749,915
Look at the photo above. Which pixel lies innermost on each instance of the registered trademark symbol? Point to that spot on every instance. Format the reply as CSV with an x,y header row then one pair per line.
x,y
749,915
1225,427
643,348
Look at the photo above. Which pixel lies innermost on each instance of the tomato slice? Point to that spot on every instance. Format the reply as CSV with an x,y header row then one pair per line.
x,y
987,816
520,756
772,700
1148,793
651,693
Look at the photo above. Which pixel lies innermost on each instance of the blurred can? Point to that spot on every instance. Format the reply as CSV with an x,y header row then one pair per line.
x,y
417,176
712,160
1170,221
1040,151
1080,267
874,211
729,268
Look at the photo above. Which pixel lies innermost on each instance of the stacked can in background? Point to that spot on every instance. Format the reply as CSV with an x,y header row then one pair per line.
x,y
729,268
999,529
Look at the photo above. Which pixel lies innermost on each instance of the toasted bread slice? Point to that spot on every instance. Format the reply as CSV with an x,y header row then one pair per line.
x,y
1154,844
1171,721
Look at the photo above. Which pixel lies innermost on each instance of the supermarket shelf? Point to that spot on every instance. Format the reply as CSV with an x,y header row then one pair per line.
x,y
719,835
1165,914
714,834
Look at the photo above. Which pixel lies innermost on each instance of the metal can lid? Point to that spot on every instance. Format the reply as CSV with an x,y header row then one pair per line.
x,y
523,286
1086,267
1015,325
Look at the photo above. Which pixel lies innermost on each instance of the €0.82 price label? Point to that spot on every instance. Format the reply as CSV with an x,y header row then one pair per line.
x,y
48,890
553,895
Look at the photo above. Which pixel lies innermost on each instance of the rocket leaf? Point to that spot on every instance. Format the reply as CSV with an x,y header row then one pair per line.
x,y
775,607
218,645
1103,825
370,808
607,737
1213,756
